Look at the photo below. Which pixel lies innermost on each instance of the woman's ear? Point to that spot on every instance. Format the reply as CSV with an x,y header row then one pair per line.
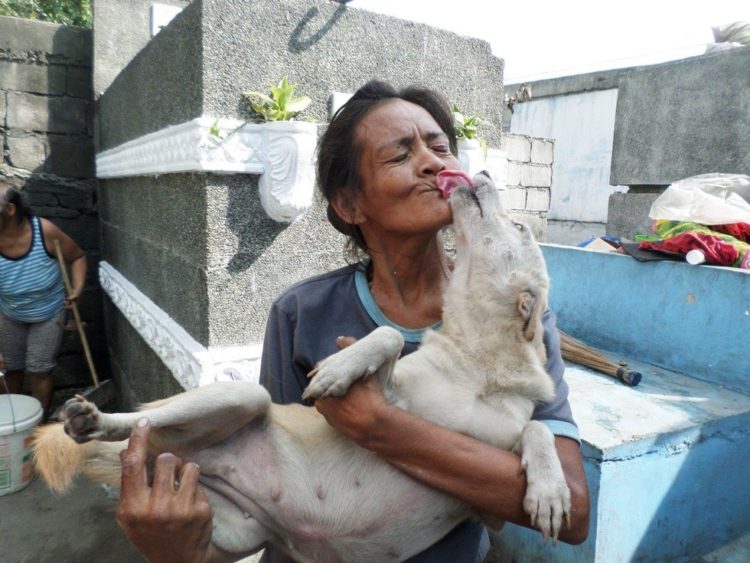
x,y
347,208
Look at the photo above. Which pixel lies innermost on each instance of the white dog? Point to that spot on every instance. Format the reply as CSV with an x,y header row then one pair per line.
x,y
280,474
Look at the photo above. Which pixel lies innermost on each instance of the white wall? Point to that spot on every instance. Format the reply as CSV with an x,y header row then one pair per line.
x,y
582,127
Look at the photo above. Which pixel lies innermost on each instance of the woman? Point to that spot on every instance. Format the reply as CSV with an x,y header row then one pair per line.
x,y
377,168
32,295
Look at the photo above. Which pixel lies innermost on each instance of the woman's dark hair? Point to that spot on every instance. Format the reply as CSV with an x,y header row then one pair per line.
x,y
339,150
9,194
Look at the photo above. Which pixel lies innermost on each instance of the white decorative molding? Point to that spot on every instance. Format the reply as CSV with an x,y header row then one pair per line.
x,y
191,363
187,147
283,153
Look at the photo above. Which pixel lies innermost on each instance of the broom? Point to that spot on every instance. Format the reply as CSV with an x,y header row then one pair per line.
x,y
579,353
76,315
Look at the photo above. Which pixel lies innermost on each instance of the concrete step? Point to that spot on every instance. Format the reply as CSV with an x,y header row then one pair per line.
x,y
666,465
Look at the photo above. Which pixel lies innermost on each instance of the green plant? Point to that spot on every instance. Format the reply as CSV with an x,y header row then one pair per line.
x,y
215,130
466,126
67,12
281,105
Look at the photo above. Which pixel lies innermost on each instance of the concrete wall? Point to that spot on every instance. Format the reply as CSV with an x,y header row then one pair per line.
x,y
116,47
47,150
684,118
672,121
224,259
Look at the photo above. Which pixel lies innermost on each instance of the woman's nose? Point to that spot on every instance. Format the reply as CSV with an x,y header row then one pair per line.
x,y
429,162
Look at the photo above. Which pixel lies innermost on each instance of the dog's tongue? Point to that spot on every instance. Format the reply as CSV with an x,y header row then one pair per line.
x,y
449,180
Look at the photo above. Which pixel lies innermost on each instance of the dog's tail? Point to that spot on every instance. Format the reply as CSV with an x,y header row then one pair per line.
x,y
58,458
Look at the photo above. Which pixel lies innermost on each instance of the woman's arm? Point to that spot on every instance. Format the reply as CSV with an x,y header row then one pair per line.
x,y
489,479
72,254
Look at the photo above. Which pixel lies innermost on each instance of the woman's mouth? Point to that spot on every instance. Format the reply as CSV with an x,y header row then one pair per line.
x,y
449,180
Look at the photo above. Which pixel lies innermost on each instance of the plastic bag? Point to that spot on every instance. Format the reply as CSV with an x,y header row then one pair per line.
x,y
709,199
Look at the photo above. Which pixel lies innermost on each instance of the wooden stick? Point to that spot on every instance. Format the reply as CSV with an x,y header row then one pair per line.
x,y
576,351
76,315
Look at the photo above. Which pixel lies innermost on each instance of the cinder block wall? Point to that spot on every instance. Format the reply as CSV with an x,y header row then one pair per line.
x,y
528,179
47,150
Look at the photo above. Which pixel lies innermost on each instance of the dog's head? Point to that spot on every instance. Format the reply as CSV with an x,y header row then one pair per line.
x,y
499,280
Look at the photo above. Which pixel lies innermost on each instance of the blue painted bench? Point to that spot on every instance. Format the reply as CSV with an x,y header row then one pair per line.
x,y
668,462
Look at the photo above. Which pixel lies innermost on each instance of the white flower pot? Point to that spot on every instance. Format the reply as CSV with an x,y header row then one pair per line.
x,y
471,156
288,181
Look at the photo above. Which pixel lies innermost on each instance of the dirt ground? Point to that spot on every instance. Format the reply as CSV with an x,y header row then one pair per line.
x,y
39,527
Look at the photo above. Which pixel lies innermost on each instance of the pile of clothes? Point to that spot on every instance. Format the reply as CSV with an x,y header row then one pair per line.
x,y
707,216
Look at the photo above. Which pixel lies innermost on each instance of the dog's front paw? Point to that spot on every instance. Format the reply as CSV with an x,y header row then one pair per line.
x,y
547,502
332,376
547,499
81,419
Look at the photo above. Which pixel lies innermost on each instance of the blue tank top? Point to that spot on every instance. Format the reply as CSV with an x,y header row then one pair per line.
x,y
31,286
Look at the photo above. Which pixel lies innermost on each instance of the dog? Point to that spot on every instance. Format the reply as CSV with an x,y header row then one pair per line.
x,y
280,474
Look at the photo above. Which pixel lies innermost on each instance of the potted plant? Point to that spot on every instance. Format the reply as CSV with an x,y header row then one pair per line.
x,y
287,184
472,150
281,105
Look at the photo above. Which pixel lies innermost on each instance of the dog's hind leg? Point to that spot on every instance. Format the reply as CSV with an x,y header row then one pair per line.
x,y
194,419
376,353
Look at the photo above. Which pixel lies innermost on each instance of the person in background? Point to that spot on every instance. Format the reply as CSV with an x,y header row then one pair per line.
x,y
32,294
377,167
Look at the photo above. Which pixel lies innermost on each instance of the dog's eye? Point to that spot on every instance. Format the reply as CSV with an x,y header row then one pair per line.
x,y
519,226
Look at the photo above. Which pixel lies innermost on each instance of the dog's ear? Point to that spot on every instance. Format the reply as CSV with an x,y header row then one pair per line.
x,y
531,309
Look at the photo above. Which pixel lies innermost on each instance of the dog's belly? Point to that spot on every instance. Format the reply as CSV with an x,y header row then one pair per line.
x,y
324,497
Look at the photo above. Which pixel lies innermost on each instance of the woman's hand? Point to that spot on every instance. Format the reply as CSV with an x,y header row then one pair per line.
x,y
72,299
170,521
356,413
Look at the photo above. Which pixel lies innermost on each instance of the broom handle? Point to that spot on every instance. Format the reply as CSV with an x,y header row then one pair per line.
x,y
568,347
76,315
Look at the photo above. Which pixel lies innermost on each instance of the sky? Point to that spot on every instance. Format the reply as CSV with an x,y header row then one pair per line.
x,y
549,38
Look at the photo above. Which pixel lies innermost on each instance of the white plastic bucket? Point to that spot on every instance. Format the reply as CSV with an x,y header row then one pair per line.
x,y
19,415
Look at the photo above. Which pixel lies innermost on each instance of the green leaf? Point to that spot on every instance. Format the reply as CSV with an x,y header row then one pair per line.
x,y
262,97
214,130
281,105
298,104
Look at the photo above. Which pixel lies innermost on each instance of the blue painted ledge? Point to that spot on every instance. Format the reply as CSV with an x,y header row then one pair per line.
x,y
689,319
666,461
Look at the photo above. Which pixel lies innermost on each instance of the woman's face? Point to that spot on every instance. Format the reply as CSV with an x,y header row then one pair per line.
x,y
403,149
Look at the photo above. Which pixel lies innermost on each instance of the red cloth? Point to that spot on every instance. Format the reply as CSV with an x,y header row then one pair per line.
x,y
739,231
717,252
